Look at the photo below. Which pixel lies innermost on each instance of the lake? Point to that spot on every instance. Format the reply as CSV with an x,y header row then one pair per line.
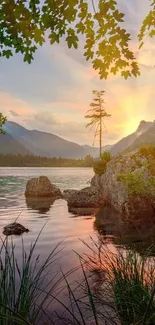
x,y
59,225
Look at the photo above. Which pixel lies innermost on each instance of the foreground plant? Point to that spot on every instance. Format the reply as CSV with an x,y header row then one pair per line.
x,y
115,288
25,287
122,285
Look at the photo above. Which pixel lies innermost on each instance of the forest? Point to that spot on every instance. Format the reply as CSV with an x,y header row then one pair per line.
x,y
10,160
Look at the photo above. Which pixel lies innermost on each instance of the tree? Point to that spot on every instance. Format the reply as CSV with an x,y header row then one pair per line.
x,y
26,24
97,114
3,120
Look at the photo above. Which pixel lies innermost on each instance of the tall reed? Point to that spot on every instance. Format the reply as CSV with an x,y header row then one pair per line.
x,y
24,285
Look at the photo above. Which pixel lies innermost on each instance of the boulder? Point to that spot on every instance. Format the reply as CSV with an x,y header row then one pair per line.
x,y
42,187
68,193
129,186
89,197
14,229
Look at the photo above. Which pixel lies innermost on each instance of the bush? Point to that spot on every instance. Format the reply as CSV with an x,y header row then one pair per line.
x,y
136,183
106,156
147,151
151,167
100,166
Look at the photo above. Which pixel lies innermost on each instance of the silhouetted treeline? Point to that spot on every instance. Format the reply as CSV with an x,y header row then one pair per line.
x,y
10,160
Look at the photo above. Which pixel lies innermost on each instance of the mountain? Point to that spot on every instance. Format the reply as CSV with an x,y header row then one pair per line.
x,y
148,137
43,143
93,151
9,145
128,141
19,140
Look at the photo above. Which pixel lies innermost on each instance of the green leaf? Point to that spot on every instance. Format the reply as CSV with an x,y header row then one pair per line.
x,y
28,57
54,38
7,53
141,45
80,27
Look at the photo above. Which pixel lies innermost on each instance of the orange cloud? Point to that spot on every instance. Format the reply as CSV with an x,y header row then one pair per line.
x,y
19,106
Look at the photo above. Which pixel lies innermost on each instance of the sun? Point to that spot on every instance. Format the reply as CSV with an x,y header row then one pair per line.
x,y
131,125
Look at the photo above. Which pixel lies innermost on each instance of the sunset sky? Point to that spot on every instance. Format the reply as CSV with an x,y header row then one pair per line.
x,y
53,93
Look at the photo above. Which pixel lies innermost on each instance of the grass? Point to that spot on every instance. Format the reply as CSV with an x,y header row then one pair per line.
x,y
127,285
21,301
133,287
115,288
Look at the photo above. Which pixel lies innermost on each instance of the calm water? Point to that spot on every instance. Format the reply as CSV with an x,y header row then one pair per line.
x,y
61,225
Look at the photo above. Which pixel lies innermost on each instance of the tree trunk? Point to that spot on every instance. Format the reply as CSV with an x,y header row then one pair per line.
x,y
100,131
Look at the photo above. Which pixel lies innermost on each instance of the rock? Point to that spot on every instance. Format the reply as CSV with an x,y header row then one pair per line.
x,y
88,197
132,206
42,187
139,209
68,193
14,229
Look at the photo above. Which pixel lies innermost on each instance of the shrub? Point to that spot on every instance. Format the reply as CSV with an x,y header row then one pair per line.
x,y
100,166
136,183
106,156
147,151
151,167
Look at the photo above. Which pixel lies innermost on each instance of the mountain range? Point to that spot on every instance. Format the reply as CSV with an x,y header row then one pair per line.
x,y
145,134
19,140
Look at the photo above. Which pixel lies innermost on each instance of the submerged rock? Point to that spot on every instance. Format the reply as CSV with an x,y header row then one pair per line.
x,y
83,211
14,229
89,197
42,187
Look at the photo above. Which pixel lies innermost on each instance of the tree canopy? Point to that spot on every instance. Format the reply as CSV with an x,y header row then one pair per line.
x,y
26,24
3,120
96,115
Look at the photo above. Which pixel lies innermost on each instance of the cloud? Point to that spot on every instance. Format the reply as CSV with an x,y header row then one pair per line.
x,y
69,128
14,113
53,93
14,108
46,118
146,57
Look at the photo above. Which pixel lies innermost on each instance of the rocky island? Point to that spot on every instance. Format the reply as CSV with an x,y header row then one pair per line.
x,y
128,183
125,182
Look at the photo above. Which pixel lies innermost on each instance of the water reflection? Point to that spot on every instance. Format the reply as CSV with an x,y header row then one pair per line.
x,y
83,211
42,205
111,228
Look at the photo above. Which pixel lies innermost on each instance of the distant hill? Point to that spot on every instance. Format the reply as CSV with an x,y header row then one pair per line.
x,y
19,140
128,141
44,144
94,152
